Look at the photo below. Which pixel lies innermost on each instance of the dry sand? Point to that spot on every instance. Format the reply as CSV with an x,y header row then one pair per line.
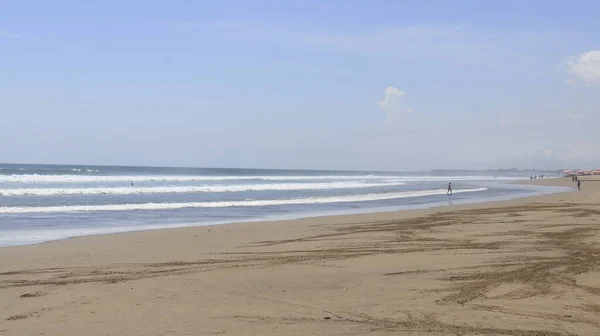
x,y
521,267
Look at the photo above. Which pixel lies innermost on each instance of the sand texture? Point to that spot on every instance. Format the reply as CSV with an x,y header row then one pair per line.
x,y
522,267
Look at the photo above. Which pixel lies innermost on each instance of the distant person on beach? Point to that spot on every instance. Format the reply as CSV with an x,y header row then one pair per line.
x,y
578,185
132,184
449,189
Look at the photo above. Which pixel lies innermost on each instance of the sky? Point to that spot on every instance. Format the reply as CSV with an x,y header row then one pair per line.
x,y
338,84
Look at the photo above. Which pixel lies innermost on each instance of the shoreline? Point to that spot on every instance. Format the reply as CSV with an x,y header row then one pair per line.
x,y
520,267
325,215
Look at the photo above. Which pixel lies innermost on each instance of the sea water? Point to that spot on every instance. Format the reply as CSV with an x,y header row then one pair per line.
x,y
48,202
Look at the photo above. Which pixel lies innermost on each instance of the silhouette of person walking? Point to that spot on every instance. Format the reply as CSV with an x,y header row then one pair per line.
x,y
449,189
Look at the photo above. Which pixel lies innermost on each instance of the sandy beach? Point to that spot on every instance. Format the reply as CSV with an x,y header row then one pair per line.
x,y
522,267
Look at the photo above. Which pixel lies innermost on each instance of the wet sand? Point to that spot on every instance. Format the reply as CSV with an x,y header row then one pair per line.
x,y
522,267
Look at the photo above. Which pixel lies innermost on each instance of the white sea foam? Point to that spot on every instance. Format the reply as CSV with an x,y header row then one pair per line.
x,y
460,178
34,178
225,204
190,189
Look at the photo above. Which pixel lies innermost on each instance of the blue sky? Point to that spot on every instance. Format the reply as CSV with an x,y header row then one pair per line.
x,y
395,85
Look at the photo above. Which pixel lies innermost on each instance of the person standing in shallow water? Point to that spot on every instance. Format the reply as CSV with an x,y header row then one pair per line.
x,y
578,184
449,189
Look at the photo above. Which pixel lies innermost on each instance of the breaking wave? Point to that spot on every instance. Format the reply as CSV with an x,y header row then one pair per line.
x,y
225,204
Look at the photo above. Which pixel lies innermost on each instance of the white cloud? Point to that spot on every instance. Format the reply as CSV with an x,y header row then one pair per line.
x,y
448,43
586,66
393,106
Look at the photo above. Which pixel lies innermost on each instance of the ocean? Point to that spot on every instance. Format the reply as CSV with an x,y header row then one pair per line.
x,y
40,203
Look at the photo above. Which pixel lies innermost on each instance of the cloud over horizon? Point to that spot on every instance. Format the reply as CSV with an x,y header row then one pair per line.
x,y
395,110
586,67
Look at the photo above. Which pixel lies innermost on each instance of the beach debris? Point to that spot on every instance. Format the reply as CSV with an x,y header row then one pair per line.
x,y
33,294
332,314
